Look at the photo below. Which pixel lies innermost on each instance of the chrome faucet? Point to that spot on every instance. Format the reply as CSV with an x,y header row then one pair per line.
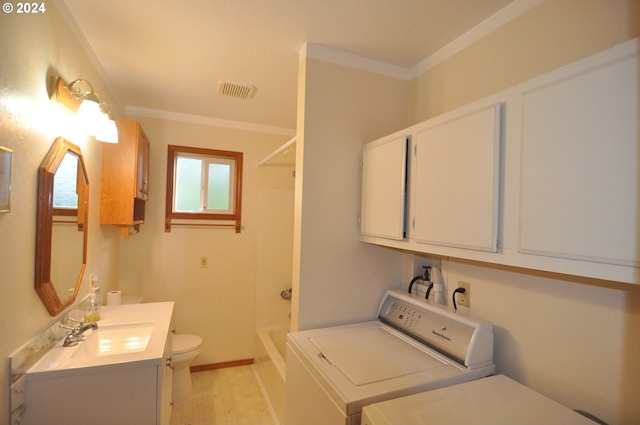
x,y
75,335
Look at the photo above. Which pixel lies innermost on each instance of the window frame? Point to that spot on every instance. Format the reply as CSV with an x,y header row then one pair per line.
x,y
173,151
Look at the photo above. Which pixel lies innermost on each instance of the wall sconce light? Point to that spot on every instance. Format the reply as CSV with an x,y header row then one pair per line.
x,y
80,97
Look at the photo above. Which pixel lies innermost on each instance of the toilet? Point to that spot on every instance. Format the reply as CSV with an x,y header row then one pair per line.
x,y
185,349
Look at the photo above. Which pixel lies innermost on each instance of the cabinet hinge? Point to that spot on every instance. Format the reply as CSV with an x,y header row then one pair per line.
x,y
413,223
415,149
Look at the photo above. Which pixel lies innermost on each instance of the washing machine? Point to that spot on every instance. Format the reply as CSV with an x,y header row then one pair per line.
x,y
495,400
412,347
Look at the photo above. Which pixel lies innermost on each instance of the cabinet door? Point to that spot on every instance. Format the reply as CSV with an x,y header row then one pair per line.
x,y
457,179
165,379
384,170
142,168
580,154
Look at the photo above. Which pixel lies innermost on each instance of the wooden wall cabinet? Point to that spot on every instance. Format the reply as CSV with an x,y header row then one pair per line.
x,y
125,178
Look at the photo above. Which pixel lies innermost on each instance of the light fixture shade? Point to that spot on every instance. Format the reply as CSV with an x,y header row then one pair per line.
x,y
90,114
108,131
94,114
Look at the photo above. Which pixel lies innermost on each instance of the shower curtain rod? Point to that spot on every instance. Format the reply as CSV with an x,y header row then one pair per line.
x,y
277,151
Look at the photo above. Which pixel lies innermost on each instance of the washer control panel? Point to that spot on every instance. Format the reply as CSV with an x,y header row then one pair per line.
x,y
403,314
462,338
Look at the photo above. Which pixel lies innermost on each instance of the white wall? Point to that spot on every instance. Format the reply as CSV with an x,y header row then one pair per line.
x,y
218,303
338,279
274,256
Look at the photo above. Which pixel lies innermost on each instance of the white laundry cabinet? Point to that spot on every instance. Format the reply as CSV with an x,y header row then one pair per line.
x,y
543,175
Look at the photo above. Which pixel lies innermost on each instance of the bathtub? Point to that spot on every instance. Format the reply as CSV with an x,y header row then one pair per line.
x,y
270,365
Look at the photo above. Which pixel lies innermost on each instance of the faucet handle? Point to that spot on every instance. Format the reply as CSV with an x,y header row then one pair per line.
x,y
79,322
75,323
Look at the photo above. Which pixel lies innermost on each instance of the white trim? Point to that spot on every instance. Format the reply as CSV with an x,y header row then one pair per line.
x,y
214,122
489,25
338,57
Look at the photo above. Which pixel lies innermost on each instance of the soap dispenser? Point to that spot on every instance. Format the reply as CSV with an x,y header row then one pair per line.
x,y
92,310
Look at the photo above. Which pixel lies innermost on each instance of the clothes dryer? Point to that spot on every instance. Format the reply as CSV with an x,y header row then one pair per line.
x,y
495,400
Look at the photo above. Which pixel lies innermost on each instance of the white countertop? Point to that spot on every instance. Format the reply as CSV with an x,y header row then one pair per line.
x,y
65,361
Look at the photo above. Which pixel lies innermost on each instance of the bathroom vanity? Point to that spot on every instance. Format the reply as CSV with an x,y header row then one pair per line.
x,y
120,373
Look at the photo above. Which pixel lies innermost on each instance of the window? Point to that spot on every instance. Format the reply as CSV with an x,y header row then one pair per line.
x,y
203,184
66,186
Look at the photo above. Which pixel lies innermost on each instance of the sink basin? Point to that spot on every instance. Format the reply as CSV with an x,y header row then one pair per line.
x,y
115,339
128,336
102,346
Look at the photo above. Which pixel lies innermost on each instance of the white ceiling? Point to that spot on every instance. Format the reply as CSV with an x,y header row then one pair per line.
x,y
169,55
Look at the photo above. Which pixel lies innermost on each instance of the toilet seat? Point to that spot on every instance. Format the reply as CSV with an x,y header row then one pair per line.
x,y
185,343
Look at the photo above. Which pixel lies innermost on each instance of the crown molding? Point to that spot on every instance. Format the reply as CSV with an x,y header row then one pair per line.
x,y
492,23
326,54
209,121
505,15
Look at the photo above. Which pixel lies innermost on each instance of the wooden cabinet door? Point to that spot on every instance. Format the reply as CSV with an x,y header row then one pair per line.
x,y
125,177
142,167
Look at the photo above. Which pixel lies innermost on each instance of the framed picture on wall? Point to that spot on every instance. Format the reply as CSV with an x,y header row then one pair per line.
x,y
5,179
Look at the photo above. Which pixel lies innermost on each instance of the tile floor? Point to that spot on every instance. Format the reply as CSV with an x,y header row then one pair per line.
x,y
231,396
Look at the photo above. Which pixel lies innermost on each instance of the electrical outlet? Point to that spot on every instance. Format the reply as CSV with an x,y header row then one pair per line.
x,y
204,262
464,299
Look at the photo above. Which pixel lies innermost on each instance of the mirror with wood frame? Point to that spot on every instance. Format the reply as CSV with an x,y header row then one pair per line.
x,y
61,231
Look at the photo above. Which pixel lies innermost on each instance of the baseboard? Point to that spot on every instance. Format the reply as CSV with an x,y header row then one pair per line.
x,y
221,365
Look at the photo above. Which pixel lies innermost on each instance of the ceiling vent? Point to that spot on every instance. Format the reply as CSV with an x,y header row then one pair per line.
x,y
241,91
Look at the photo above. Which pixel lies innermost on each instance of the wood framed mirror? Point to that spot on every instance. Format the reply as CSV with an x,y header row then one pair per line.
x,y
61,231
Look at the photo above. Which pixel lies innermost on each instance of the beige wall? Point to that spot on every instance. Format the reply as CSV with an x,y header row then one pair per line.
x,y
338,279
31,47
573,339
218,302
553,34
